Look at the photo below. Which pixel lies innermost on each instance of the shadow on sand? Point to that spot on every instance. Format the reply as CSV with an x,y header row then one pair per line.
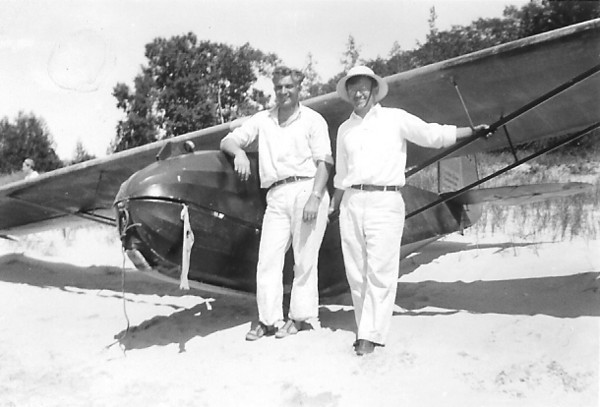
x,y
572,296
139,288
181,326
568,296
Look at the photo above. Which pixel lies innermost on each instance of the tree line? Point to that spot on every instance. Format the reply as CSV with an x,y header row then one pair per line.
x,y
188,84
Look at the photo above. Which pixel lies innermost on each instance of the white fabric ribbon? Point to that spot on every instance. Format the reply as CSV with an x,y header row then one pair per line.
x,y
188,242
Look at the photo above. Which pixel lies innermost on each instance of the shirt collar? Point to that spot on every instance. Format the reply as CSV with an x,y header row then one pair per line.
x,y
273,113
374,111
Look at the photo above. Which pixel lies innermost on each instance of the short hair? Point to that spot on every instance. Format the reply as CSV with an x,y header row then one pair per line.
x,y
29,162
283,71
355,79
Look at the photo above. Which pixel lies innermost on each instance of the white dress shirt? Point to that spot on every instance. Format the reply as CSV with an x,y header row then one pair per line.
x,y
373,150
288,149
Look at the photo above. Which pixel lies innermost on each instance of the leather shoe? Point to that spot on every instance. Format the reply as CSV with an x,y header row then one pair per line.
x,y
291,327
259,331
363,347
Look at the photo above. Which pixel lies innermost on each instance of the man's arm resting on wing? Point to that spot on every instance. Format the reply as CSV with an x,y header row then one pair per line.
x,y
241,163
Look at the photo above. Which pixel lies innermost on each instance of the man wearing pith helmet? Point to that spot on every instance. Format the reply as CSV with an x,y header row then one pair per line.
x,y
370,164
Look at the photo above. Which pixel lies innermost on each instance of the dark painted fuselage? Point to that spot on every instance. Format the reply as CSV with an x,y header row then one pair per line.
x,y
226,216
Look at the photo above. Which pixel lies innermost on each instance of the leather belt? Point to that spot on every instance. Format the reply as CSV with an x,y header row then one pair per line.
x,y
288,180
369,187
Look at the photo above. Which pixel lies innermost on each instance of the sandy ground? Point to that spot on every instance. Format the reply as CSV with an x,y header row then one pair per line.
x,y
480,321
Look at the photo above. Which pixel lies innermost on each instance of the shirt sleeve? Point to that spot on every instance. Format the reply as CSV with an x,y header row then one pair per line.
x,y
341,165
320,143
426,134
245,134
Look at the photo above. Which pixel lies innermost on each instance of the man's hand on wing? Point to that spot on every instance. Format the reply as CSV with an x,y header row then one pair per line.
x,y
242,165
482,128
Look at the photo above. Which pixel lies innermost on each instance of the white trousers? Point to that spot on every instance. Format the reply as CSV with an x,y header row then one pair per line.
x,y
283,226
371,224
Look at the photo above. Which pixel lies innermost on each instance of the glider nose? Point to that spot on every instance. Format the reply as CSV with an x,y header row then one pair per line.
x,y
129,239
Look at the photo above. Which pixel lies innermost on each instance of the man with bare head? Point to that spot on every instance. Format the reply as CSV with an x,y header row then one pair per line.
x,y
294,157
28,168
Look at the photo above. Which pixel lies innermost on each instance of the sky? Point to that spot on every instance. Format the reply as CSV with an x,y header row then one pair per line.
x,y
60,59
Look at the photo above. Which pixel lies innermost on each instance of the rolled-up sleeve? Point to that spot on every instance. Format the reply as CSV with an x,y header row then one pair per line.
x,y
320,144
245,134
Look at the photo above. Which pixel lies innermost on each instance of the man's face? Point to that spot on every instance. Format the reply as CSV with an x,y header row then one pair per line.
x,y
360,92
26,166
286,91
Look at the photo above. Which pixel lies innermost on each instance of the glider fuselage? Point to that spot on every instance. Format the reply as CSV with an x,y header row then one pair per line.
x,y
226,216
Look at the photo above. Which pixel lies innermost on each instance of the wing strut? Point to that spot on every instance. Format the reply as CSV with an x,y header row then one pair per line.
x,y
504,120
95,217
510,143
88,215
463,103
452,195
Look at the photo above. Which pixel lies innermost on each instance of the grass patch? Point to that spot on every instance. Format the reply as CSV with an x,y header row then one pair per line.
x,y
560,218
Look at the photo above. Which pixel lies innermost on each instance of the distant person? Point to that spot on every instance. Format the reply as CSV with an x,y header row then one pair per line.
x,y
294,159
29,169
370,164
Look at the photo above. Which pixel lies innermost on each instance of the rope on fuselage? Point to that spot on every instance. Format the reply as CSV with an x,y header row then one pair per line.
x,y
119,338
